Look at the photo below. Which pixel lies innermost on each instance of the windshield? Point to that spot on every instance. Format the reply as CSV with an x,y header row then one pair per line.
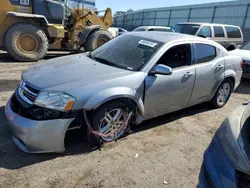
x,y
126,52
246,46
140,29
190,29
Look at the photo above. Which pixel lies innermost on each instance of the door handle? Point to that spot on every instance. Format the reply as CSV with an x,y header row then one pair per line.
x,y
220,66
188,74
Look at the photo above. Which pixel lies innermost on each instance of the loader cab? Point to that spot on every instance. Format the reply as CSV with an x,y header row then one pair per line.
x,y
53,10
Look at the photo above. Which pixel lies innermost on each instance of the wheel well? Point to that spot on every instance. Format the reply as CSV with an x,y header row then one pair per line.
x,y
232,80
130,102
231,47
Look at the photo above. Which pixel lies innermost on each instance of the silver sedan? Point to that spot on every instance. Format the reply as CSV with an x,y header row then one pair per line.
x,y
134,77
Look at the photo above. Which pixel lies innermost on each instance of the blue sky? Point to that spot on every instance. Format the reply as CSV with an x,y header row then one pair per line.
x,y
123,5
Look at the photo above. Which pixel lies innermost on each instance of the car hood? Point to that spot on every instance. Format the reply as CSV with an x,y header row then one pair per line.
x,y
245,54
74,70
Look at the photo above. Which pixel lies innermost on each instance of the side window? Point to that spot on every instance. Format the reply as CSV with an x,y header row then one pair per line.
x,y
205,30
159,29
151,29
177,56
218,31
233,32
204,53
167,30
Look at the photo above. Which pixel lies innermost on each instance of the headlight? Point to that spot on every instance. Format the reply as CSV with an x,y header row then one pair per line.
x,y
55,100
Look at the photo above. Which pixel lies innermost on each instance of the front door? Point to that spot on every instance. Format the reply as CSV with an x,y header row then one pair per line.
x,y
205,31
209,68
167,93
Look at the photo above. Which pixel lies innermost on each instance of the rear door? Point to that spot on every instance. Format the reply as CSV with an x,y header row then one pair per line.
x,y
209,67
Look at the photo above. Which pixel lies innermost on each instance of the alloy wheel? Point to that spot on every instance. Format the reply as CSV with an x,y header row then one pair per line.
x,y
112,124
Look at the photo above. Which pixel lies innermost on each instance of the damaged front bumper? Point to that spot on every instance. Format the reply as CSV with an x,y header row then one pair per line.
x,y
37,136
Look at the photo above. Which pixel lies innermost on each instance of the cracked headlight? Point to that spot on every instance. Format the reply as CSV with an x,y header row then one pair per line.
x,y
55,100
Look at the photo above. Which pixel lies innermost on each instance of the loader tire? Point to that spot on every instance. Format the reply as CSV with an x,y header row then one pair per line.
x,y
26,42
96,39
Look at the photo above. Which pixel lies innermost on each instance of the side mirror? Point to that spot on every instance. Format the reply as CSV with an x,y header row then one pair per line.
x,y
203,36
163,70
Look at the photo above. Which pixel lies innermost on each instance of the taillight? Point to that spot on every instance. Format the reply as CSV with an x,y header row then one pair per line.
x,y
241,64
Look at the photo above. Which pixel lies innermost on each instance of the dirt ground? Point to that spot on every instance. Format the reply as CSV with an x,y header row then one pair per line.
x,y
169,148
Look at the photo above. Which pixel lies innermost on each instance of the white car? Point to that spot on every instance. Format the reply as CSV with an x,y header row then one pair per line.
x,y
244,53
116,31
153,28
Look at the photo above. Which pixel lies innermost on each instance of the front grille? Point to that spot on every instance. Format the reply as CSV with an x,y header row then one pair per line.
x,y
27,93
243,180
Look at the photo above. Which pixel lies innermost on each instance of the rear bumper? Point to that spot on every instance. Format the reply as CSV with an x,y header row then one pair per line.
x,y
238,79
37,136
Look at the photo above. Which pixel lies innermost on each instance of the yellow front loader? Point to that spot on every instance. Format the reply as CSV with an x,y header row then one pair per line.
x,y
29,28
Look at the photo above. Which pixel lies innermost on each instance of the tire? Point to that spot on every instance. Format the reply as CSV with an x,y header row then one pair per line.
x,y
96,39
216,101
17,46
99,114
230,48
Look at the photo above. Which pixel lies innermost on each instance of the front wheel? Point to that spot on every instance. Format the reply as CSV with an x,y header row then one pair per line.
x,y
109,120
223,94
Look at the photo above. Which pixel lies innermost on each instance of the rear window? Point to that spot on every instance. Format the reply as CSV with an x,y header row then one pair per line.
x,y
246,46
204,53
190,29
233,32
140,29
160,29
218,31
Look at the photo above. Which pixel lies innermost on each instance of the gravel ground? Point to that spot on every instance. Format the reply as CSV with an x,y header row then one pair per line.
x,y
169,148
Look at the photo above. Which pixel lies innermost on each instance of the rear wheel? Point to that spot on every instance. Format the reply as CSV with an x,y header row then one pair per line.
x,y
96,39
223,94
230,48
26,42
109,120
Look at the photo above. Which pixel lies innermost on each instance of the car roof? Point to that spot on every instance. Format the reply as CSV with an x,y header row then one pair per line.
x,y
202,23
147,27
165,36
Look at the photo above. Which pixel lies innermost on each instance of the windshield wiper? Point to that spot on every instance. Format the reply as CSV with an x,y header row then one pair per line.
x,y
107,62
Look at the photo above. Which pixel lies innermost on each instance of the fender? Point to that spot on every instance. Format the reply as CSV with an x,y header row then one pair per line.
x,y
228,74
86,32
114,93
42,19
